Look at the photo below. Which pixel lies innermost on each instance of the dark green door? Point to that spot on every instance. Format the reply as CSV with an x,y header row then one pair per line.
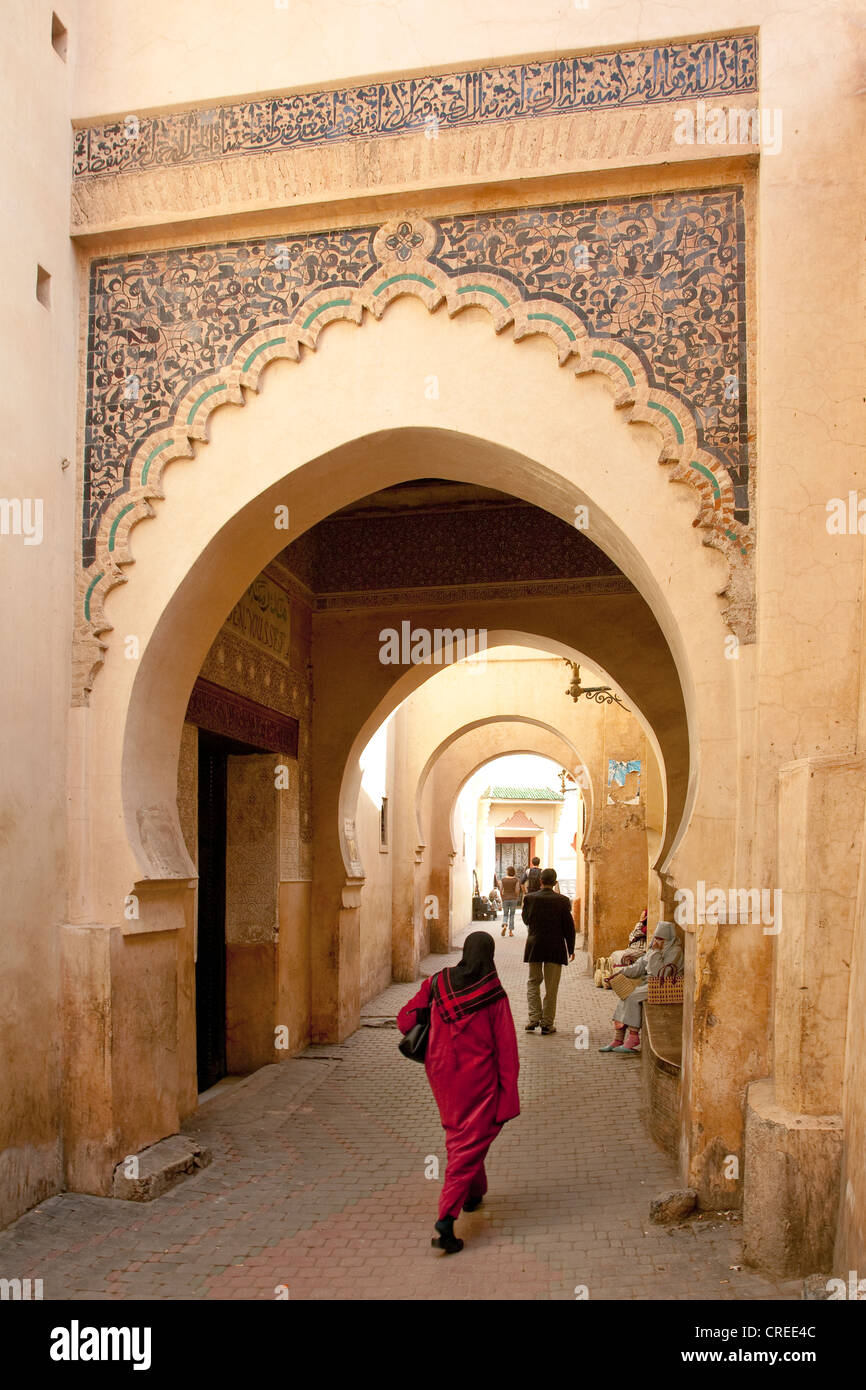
x,y
210,965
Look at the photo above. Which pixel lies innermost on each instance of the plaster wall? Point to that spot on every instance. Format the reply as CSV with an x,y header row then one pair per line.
x,y
460,880
376,899
172,56
39,361
851,1237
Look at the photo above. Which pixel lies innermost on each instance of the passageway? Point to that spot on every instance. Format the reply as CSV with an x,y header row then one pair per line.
x,y
318,1184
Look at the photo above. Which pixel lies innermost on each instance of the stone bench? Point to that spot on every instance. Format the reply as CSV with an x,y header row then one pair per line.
x,y
662,1057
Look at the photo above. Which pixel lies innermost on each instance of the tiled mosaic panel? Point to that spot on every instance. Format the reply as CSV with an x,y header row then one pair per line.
x,y
663,274
563,86
163,320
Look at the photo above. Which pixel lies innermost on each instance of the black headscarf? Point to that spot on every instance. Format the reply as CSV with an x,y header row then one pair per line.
x,y
472,983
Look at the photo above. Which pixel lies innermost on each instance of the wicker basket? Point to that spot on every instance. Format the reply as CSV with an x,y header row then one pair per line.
x,y
666,991
622,985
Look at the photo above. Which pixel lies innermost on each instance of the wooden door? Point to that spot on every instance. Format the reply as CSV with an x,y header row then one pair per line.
x,y
210,965
514,852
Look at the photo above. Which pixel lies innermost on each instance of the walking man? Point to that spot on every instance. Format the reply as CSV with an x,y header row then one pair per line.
x,y
531,878
511,891
549,947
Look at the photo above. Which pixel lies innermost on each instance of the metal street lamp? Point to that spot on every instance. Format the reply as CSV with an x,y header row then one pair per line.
x,y
602,694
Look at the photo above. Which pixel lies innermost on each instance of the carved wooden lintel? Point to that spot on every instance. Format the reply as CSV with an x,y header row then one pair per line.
x,y
221,711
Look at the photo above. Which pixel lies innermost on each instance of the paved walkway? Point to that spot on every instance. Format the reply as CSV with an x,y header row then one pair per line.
x,y
318,1184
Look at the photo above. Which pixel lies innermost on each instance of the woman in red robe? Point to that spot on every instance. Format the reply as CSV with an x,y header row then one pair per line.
x,y
472,1068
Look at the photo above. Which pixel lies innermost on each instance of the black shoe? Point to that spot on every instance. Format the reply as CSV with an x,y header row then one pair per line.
x,y
547,1028
446,1240
451,1246
531,1027
472,1203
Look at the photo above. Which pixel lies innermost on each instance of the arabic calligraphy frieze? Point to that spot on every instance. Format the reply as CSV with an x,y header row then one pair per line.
x,y
664,274
522,91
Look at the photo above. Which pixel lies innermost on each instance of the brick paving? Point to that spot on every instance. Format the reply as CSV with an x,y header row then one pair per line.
x,y
318,1186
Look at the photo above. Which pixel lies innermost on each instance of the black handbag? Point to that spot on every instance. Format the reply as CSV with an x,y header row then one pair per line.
x,y
414,1044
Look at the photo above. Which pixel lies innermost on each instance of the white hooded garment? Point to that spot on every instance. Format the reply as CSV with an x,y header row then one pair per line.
x,y
630,1010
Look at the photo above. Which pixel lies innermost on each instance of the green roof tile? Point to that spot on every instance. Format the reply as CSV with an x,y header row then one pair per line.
x,y
521,794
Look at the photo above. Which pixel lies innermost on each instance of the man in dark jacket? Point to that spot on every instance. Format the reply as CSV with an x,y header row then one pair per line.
x,y
549,946
531,878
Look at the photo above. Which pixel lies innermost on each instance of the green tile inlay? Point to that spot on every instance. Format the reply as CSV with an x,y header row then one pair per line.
x,y
714,482
484,289
92,585
560,323
678,429
732,535
210,392
623,366
331,304
409,275
151,456
272,342
116,522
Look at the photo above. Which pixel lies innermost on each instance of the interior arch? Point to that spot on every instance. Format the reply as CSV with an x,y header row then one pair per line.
x,y
536,752
415,676
500,718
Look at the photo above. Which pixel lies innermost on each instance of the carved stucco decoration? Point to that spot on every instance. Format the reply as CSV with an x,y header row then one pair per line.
x,y
647,291
625,78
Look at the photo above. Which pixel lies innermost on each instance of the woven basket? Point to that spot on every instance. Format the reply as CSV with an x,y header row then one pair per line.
x,y
622,985
665,991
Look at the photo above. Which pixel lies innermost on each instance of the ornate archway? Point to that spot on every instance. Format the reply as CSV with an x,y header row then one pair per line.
x,y
360,421
175,335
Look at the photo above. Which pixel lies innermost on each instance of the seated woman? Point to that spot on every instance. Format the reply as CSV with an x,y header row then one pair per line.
x,y
606,966
664,950
636,944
